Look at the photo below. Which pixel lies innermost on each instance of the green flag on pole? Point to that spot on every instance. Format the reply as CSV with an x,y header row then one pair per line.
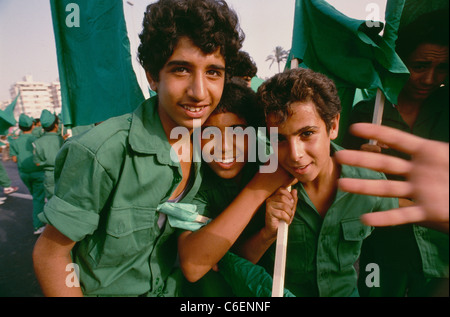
x,y
7,119
349,51
94,61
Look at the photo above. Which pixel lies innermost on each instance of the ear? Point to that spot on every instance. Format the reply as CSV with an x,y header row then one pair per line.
x,y
335,127
153,84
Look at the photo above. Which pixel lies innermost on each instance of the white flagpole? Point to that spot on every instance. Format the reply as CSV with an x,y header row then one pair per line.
x,y
280,258
378,111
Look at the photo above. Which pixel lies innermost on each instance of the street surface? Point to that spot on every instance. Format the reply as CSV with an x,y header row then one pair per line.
x,y
17,278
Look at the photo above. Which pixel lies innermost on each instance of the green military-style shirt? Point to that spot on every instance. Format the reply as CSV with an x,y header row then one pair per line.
x,y
22,148
109,182
321,252
46,148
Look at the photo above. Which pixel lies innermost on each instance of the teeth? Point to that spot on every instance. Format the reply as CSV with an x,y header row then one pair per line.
x,y
225,161
193,109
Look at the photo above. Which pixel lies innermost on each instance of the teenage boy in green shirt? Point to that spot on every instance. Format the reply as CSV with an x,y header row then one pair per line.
x,y
325,234
111,179
46,148
21,151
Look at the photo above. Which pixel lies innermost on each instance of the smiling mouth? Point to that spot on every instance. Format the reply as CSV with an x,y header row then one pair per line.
x,y
193,109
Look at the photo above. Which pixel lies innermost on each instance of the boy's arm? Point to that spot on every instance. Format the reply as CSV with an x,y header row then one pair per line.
x,y
201,250
51,255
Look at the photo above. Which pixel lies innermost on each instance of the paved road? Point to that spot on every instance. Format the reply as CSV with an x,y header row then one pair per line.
x,y
17,277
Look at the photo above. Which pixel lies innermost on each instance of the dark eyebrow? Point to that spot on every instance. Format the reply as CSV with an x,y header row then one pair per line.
x,y
185,63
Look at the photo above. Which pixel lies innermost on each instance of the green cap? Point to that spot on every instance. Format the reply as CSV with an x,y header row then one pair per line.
x,y
25,121
47,118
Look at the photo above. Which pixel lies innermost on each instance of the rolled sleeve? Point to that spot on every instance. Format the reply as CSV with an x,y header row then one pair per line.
x,y
71,221
82,189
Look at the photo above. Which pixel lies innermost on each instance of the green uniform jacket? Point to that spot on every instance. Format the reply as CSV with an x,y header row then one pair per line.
x,y
22,148
321,252
109,182
46,148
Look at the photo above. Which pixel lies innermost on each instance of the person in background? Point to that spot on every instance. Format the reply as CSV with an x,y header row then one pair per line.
x,y
46,148
21,151
245,68
414,260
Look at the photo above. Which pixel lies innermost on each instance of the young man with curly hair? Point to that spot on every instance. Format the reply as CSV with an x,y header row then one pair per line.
x,y
110,181
325,232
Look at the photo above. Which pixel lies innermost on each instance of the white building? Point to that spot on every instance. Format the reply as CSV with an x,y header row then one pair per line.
x,y
35,97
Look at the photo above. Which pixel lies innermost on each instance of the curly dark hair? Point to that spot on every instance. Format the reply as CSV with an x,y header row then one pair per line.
x,y
244,66
239,99
277,94
210,24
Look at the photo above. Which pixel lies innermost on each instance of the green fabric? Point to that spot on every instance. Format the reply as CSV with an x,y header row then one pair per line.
x,y
109,182
94,61
5,181
34,181
47,118
182,216
246,278
348,51
321,252
25,121
255,83
45,150
23,148
7,119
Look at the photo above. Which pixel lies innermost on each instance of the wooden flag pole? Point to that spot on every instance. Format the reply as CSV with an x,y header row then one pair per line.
x,y
280,258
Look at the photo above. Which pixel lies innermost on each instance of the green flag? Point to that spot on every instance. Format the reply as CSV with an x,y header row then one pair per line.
x,y
7,119
349,51
94,61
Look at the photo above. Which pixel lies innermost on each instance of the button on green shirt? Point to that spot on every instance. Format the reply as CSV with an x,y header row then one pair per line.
x,y
109,182
321,252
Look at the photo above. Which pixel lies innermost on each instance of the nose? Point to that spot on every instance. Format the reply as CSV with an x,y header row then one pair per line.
x,y
197,87
296,150
430,77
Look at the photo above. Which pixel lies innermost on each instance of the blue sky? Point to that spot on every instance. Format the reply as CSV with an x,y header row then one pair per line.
x,y
27,41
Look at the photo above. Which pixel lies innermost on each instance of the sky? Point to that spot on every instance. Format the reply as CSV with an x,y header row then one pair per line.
x,y
27,45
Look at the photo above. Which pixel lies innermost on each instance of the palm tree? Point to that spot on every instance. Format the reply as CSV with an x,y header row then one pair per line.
x,y
279,56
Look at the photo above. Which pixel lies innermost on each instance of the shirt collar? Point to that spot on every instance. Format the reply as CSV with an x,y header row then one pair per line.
x,y
147,134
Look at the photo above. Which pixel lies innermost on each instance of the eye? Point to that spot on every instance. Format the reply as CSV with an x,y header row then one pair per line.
x,y
307,134
180,70
214,73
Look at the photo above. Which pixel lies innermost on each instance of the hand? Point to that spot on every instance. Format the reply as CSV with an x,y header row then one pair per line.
x,y
375,148
427,177
280,206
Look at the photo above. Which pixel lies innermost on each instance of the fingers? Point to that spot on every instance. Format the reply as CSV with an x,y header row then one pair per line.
x,y
393,138
375,161
394,217
282,205
375,187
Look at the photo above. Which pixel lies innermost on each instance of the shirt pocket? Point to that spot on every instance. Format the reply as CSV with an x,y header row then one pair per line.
x,y
353,234
298,252
127,233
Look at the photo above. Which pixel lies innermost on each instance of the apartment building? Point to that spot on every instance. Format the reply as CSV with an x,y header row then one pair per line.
x,y
35,97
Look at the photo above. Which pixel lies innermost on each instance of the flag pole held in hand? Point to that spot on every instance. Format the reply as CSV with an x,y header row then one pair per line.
x,y
280,258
